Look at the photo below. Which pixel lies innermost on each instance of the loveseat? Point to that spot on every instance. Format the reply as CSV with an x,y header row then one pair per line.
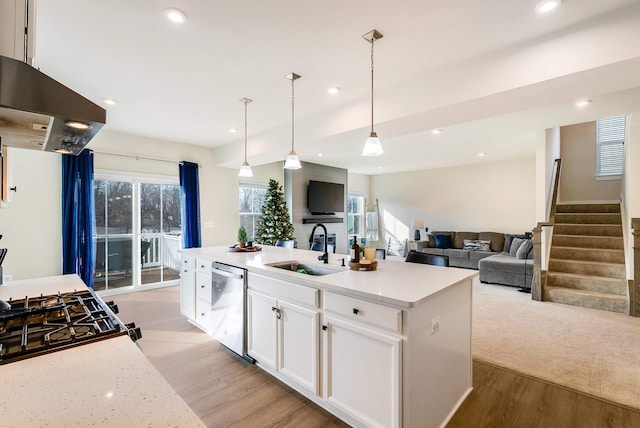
x,y
500,258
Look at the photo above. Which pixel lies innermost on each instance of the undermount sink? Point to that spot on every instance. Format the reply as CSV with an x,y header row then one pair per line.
x,y
303,268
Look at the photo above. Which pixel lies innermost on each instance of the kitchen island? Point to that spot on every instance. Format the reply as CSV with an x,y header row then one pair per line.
x,y
383,348
105,383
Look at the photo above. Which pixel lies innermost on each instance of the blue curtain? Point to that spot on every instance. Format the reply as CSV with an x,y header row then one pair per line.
x,y
78,216
190,194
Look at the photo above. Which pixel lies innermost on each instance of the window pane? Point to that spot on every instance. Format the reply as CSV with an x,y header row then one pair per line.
x,y
171,214
149,208
99,196
257,200
120,218
244,198
610,136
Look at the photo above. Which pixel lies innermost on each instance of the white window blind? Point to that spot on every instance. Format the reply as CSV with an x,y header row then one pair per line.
x,y
610,135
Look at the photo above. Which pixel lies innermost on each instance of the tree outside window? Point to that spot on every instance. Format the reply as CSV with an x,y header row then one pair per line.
x,y
250,200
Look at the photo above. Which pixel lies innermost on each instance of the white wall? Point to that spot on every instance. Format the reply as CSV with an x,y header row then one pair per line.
x,y
31,224
630,197
498,196
360,184
547,151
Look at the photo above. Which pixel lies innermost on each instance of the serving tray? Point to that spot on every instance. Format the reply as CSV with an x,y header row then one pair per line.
x,y
237,249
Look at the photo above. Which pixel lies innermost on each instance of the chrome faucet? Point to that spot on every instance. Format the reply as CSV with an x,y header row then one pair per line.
x,y
325,256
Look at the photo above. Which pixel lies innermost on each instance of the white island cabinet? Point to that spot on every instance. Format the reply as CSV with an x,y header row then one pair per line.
x,y
282,329
362,359
196,291
384,348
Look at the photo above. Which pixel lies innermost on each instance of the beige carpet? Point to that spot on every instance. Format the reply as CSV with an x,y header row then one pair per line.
x,y
588,350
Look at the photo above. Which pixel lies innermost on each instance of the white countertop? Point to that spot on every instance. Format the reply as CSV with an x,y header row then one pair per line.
x,y
106,383
394,282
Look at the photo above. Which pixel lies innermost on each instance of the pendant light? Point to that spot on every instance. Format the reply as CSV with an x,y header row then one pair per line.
x,y
292,161
245,169
372,146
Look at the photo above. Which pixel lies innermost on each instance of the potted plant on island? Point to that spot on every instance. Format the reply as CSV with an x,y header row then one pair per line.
x,y
242,237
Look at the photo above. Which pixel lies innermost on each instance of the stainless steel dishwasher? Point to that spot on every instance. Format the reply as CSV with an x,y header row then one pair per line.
x,y
228,307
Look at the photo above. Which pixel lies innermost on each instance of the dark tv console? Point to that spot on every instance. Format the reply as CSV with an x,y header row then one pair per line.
x,y
310,220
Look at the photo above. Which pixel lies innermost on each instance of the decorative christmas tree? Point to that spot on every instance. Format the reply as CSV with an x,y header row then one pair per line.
x,y
274,223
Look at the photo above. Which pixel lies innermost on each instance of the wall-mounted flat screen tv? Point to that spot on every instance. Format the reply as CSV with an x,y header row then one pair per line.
x,y
325,198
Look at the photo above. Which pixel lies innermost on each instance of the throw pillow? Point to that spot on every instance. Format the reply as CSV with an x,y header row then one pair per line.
x,y
525,248
443,241
476,245
515,245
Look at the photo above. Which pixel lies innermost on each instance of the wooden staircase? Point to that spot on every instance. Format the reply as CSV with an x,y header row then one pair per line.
x,y
587,264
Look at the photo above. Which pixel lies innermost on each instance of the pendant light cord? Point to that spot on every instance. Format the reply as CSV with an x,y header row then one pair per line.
x,y
292,103
245,131
372,41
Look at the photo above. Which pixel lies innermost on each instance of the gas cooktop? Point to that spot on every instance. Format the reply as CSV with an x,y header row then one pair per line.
x,y
38,325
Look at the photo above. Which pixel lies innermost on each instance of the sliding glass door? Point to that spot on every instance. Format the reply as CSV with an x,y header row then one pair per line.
x,y
138,232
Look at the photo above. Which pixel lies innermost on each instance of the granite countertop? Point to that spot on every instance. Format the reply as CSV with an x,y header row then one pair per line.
x,y
394,282
105,383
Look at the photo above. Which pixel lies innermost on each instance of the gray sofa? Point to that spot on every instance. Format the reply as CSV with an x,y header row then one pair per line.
x,y
458,256
499,265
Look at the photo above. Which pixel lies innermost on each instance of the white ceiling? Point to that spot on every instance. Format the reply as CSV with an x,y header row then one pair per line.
x,y
492,74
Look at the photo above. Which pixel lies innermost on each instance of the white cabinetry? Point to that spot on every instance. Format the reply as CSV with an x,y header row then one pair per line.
x,y
203,293
283,325
188,286
195,290
363,360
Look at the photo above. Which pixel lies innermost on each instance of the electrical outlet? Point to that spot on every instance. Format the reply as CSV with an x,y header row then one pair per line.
x,y
435,324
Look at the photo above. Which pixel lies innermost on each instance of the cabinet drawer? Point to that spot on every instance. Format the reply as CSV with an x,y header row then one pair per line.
x,y
203,286
188,263
203,313
361,310
283,289
203,265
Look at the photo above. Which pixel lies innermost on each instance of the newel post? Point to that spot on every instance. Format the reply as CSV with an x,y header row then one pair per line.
x,y
634,285
537,283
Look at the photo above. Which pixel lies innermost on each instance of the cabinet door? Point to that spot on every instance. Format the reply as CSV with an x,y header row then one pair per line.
x,y
262,328
362,372
298,345
188,293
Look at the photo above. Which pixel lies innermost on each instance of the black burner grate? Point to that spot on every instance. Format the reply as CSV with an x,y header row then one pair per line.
x,y
38,325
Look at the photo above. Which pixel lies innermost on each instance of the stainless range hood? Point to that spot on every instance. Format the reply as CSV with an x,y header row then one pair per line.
x,y
37,112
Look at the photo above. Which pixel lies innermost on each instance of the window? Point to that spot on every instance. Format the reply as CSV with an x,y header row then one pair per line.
x,y
250,201
138,231
610,136
355,214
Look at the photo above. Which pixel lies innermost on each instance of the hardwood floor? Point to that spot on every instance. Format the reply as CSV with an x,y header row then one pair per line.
x,y
226,391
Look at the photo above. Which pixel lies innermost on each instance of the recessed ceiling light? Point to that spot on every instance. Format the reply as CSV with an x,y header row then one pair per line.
x,y
333,90
481,155
233,130
110,101
77,125
319,155
436,131
547,5
583,103
175,15
379,167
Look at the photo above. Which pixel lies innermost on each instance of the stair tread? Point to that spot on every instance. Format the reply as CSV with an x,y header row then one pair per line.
x,y
586,293
586,262
589,236
566,247
587,277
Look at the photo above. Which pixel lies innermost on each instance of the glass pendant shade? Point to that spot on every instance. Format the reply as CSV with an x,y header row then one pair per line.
x,y
372,146
292,161
245,170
